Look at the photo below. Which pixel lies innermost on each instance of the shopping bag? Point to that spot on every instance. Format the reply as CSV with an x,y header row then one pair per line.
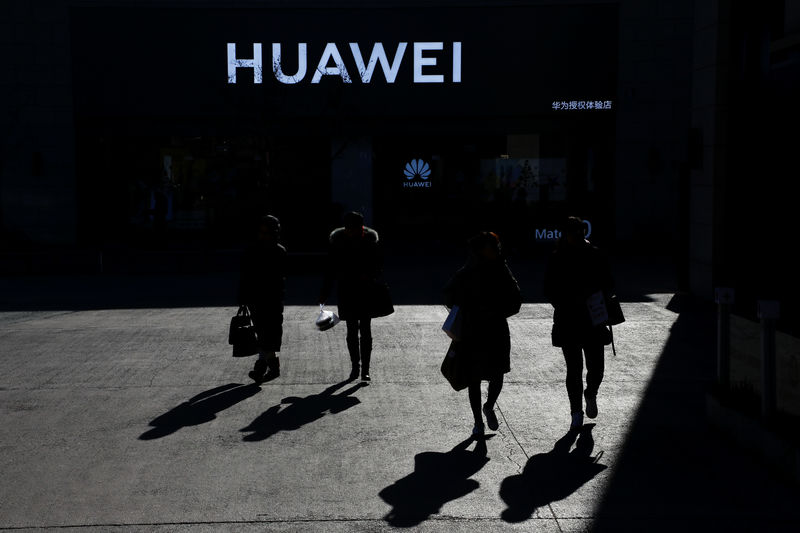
x,y
242,334
596,303
453,322
455,368
615,315
326,319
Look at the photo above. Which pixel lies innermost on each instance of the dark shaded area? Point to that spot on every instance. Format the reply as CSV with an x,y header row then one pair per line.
x,y
301,411
754,206
199,409
437,479
416,272
674,471
551,476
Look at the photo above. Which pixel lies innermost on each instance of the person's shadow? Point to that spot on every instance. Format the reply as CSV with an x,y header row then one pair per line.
x,y
437,479
199,409
551,476
301,411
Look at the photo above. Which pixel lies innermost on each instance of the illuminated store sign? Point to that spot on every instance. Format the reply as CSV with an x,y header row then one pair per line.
x,y
417,173
580,105
331,63
545,234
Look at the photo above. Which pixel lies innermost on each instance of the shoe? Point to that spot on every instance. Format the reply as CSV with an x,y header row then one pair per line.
x,y
273,369
591,405
353,374
577,421
477,431
365,376
259,369
491,418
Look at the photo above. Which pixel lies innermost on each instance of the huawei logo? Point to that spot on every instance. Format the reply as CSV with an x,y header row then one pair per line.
x,y
417,168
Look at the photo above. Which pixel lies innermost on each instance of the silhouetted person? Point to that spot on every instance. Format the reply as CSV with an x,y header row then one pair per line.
x,y
261,289
354,267
487,293
575,270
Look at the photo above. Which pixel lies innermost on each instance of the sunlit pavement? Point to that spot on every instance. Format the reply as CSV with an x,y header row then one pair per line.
x,y
140,420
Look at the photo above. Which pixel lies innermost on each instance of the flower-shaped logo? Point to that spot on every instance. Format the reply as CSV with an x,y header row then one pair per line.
x,y
417,168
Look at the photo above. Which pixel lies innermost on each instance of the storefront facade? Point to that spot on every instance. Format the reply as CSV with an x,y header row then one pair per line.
x,y
434,121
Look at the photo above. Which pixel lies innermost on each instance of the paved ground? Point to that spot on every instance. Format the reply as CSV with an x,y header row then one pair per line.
x,y
133,416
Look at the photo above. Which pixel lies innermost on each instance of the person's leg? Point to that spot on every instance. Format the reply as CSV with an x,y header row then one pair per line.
x,y
272,332
365,330
495,386
595,369
260,365
474,392
352,346
573,357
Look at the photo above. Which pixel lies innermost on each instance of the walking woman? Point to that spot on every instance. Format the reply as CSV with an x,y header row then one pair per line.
x,y
487,293
356,267
575,271
261,289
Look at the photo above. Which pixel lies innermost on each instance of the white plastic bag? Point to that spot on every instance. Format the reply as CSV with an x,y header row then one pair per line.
x,y
326,319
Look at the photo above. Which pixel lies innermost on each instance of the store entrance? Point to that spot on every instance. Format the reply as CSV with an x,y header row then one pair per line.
x,y
443,189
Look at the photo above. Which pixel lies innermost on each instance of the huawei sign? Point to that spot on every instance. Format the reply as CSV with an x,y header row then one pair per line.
x,y
425,57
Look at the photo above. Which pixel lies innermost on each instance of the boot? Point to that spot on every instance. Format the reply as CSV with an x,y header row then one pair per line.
x,y
366,354
259,369
352,347
273,368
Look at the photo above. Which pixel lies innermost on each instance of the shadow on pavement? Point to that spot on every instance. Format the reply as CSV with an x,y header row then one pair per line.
x,y
551,476
199,409
301,411
437,479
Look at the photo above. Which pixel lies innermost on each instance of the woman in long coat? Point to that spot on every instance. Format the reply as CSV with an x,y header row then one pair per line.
x,y
575,270
487,293
355,266
261,288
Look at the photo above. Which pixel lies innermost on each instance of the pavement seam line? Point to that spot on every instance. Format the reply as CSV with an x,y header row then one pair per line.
x,y
527,458
438,518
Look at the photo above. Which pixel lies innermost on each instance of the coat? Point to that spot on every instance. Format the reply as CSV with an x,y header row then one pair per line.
x,y
355,268
487,294
572,275
262,288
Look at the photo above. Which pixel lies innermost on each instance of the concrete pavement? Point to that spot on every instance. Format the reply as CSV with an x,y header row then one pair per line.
x,y
138,419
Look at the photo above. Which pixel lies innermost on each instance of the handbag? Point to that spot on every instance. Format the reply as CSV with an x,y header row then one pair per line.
x,y
615,317
455,368
453,322
614,308
381,300
242,334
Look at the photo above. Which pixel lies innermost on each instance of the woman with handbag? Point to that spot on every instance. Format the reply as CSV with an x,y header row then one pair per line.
x,y
486,293
261,289
576,272
355,266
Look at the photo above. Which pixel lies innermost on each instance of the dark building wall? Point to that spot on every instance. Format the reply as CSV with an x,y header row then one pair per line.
x,y
746,76
41,201
37,143
655,81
